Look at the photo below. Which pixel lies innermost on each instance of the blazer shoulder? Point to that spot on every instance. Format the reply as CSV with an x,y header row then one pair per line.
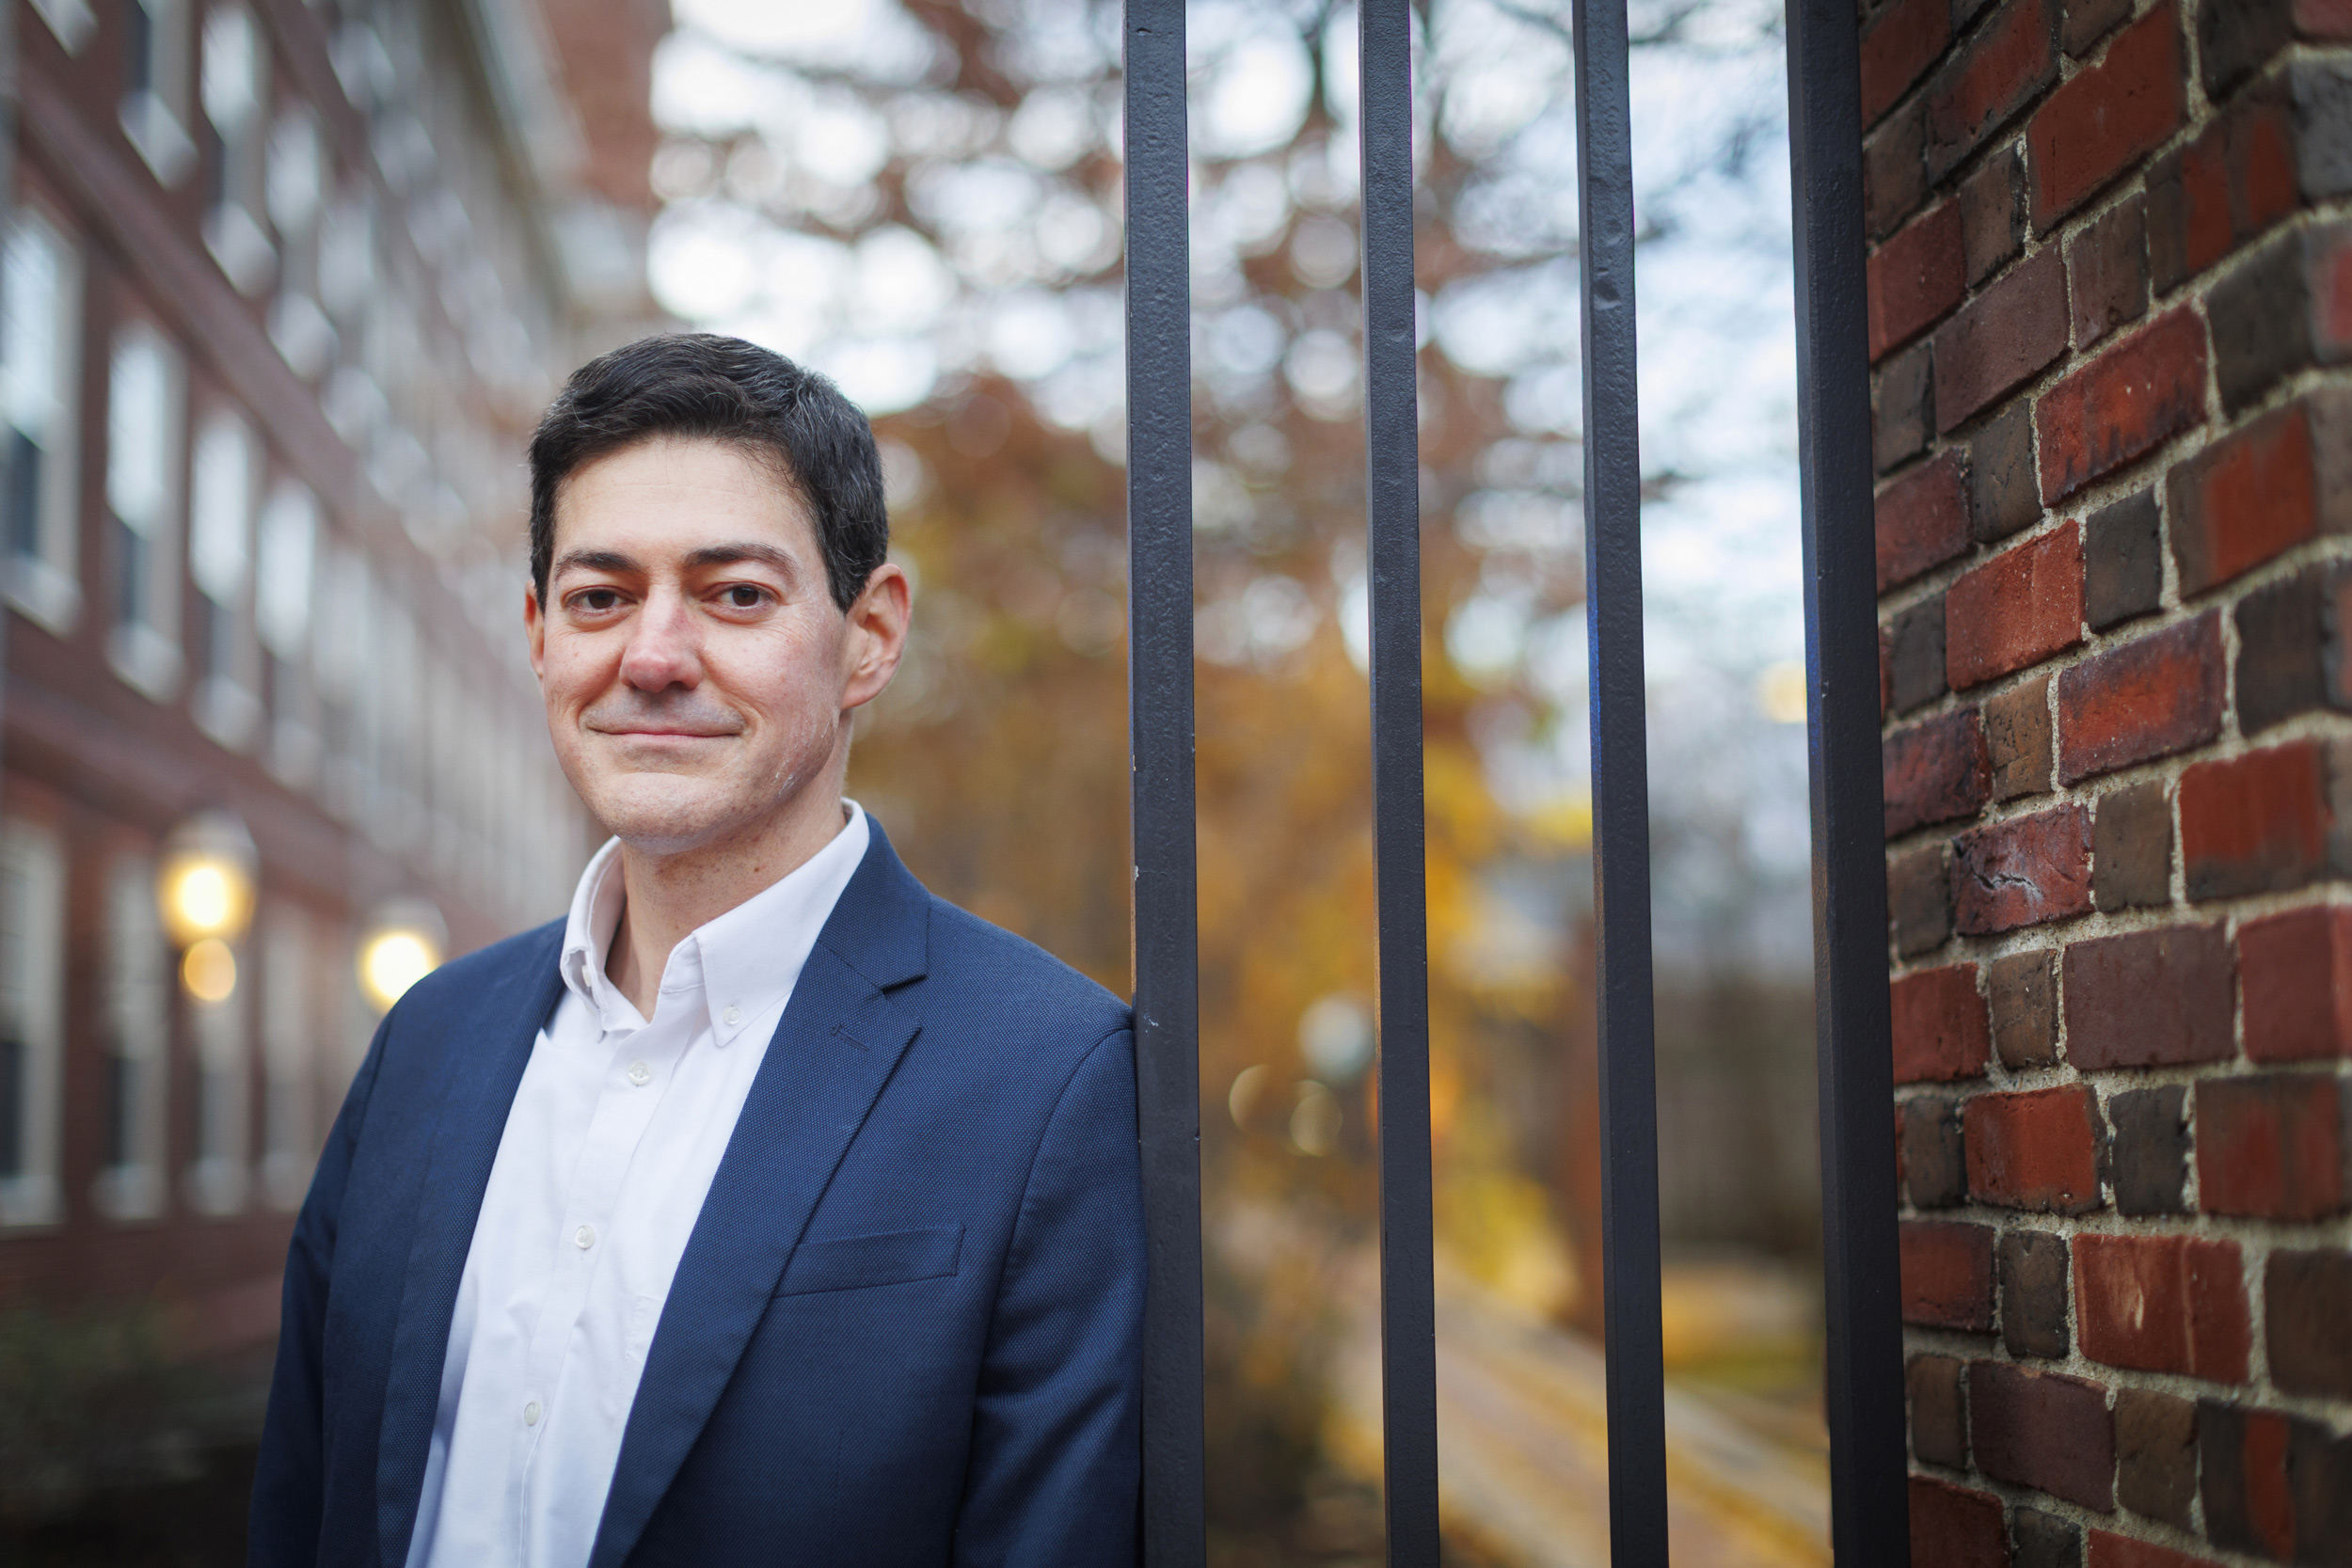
x,y
969,952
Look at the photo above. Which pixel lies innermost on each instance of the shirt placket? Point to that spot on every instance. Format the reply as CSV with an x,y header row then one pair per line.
x,y
639,1068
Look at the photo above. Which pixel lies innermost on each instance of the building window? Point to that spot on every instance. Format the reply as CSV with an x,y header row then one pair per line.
x,y
138,1034
220,559
341,650
40,339
32,1021
285,578
71,20
146,397
235,88
296,180
156,86
290,1038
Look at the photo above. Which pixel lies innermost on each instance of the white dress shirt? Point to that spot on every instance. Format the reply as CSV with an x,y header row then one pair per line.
x,y
610,1148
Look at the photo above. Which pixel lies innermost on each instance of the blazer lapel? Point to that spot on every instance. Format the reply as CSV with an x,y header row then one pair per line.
x,y
491,1035
835,1049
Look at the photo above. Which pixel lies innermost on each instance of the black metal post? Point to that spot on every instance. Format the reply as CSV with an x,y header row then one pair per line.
x,y
1613,577
1160,739
1869,1516
1408,1356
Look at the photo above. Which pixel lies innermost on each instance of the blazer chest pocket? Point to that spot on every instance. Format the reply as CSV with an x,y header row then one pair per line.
x,y
859,1262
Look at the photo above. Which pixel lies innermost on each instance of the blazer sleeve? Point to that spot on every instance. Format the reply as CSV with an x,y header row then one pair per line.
x,y
1056,1463
288,1475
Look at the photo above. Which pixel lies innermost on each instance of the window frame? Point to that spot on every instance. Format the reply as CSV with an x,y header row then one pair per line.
x,y
146,651
139,974
45,585
34,869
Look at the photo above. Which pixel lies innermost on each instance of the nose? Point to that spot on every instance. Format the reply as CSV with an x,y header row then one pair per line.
x,y
664,645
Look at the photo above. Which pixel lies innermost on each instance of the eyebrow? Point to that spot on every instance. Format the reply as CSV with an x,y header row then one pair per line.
x,y
709,555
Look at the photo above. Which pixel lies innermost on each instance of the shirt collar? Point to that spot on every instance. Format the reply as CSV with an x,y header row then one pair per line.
x,y
746,960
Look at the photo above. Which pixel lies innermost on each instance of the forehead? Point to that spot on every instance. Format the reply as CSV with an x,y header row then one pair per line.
x,y
670,494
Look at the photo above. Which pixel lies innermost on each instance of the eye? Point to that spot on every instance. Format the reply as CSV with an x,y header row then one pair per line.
x,y
596,600
743,596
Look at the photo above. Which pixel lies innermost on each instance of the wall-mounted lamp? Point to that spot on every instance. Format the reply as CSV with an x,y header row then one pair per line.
x,y
205,893
404,943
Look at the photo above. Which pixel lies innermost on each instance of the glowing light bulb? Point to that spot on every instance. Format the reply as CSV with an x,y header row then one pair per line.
x,y
391,962
210,970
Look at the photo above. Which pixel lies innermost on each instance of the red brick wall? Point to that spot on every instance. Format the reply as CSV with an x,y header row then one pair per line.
x,y
2111,331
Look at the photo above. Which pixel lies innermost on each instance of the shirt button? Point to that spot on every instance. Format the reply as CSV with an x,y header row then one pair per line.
x,y
531,1414
732,1017
585,1238
640,1074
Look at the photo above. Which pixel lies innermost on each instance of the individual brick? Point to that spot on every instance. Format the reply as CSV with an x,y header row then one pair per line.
x,y
2239,38
1939,1026
2017,737
2256,823
2262,322
1937,1173
2123,562
2001,340
1895,170
2148,1151
2339,768
2032,1274
2241,500
2131,849
1921,520
2155,1455
2146,699
2088,21
2268,1147
2234,180
2249,1506
2290,647
1897,48
1992,215
2016,610
1916,655
2137,394
1953,1527
1915,279
2307,1321
2164,1304
2320,95
2036,1150
2110,1550
1936,770
2107,118
2003,489
2044,1541
2319,1470
1920,899
2106,272
1946,1275
2043,1430
2022,871
2149,998
2000,69
1939,1411
2021,990
2297,970
1902,415
2327,287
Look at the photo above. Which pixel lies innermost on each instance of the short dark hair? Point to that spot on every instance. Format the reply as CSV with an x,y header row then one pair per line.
x,y
699,384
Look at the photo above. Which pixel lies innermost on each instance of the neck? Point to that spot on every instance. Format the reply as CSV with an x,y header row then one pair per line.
x,y
667,896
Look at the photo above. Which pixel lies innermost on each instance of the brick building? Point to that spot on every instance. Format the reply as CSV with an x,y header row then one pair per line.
x,y
285,286
2111,301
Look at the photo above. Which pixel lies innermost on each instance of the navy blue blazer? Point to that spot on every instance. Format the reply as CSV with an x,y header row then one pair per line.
x,y
907,1329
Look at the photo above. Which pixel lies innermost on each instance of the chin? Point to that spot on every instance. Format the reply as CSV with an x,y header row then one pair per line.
x,y
664,815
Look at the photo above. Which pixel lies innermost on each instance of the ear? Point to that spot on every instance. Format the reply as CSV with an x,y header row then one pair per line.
x,y
877,620
535,629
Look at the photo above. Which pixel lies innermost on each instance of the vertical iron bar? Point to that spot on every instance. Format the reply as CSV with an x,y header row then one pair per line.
x,y
1408,1358
1613,577
1869,1510
1160,741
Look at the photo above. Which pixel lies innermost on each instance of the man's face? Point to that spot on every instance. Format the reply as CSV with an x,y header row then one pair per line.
x,y
698,675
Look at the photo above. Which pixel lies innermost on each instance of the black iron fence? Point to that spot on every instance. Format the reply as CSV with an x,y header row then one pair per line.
x,y
1863,1372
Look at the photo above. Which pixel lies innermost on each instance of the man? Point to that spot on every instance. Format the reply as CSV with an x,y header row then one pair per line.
x,y
768,1210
